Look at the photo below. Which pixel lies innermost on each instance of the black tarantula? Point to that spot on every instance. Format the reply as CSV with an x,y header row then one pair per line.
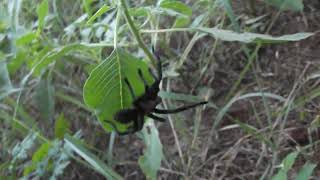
x,y
145,105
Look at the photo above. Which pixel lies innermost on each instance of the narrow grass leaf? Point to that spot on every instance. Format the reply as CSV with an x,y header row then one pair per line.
x,y
45,98
183,12
101,11
180,97
225,109
56,53
8,92
42,11
93,160
61,127
247,37
26,38
228,8
5,82
176,6
294,5
87,6
255,133
16,63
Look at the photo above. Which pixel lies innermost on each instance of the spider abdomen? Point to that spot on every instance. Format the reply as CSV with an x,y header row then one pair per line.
x,y
146,105
126,116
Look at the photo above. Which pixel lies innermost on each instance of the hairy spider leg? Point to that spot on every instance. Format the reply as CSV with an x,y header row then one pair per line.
x,y
183,108
130,88
159,68
157,80
157,118
139,122
143,80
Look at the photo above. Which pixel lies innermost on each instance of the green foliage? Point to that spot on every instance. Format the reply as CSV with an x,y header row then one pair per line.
x,y
61,127
19,152
93,160
105,91
45,98
5,82
42,11
40,154
48,48
294,5
151,160
247,37
49,160
306,171
287,163
183,12
229,11
100,12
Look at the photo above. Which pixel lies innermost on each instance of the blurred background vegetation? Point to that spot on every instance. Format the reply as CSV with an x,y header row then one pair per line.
x,y
256,61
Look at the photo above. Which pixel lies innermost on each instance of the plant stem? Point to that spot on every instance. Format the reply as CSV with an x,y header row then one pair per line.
x,y
136,33
251,58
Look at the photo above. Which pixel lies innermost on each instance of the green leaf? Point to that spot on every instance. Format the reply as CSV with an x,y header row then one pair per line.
x,y
306,171
61,127
181,22
286,165
15,63
176,6
183,11
228,8
101,11
150,162
294,5
51,55
38,156
26,38
5,83
42,11
41,153
140,11
281,175
93,160
255,133
105,91
45,98
289,161
247,37
86,5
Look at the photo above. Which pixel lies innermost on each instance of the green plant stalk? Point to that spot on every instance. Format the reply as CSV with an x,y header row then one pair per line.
x,y
243,72
136,33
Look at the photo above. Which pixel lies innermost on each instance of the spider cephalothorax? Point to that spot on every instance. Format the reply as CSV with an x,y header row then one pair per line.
x,y
145,105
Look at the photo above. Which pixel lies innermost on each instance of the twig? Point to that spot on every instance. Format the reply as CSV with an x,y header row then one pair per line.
x,y
136,33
